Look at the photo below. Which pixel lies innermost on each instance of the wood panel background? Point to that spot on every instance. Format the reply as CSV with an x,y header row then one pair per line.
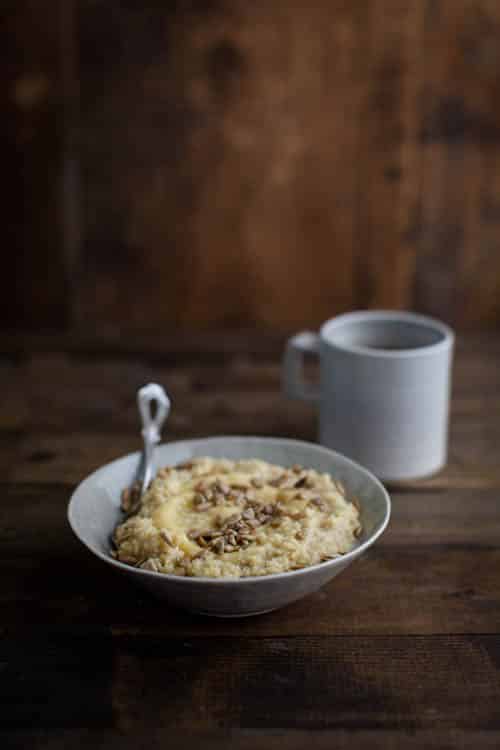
x,y
224,163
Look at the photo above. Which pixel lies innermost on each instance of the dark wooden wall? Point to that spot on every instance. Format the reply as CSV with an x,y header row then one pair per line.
x,y
212,163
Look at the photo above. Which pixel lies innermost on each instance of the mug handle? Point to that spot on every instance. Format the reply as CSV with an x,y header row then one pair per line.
x,y
293,381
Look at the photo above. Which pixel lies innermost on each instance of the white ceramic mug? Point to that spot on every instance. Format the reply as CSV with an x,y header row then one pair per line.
x,y
384,390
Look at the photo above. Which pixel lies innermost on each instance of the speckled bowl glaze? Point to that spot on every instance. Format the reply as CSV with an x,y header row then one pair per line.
x,y
94,511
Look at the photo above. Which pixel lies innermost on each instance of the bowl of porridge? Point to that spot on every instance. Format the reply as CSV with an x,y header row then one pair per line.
x,y
232,526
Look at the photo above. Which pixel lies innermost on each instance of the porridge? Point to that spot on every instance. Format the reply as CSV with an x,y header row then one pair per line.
x,y
221,518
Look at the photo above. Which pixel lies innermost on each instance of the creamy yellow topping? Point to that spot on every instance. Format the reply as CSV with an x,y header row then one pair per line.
x,y
219,518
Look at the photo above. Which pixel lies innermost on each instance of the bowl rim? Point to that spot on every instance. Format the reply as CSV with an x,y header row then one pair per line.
x,y
192,580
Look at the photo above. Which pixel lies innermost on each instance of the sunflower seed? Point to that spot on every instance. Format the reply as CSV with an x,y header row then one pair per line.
x,y
215,534
319,503
126,499
150,564
300,482
186,465
126,559
203,507
254,504
278,481
219,545
167,537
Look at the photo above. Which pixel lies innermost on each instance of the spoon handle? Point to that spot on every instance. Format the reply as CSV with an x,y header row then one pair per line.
x,y
151,425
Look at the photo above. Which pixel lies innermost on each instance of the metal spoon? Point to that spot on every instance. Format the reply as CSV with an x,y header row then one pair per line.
x,y
151,425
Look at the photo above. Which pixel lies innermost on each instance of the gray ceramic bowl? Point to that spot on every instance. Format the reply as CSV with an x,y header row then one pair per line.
x,y
94,511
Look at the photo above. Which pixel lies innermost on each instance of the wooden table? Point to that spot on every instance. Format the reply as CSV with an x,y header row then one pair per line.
x,y
401,651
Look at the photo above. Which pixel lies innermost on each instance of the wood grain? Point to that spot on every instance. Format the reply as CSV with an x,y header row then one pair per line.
x,y
234,155
50,679
389,152
400,651
254,739
357,682
228,164
460,137
385,683
32,148
51,456
218,385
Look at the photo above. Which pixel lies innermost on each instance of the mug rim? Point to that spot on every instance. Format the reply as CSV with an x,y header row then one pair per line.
x,y
445,342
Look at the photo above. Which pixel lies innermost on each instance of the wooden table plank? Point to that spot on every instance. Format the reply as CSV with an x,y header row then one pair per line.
x,y
174,346
167,346
402,651
69,455
222,368
388,682
159,738
53,679
62,406
311,682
